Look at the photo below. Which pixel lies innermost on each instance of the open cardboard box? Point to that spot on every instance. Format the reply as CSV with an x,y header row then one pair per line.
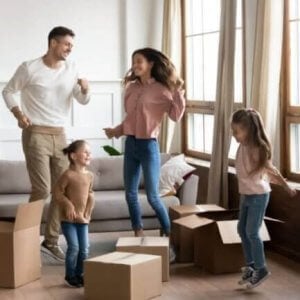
x,y
122,276
154,245
217,245
181,237
20,258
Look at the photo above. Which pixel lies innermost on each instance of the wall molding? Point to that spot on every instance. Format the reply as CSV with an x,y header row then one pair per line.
x,y
85,121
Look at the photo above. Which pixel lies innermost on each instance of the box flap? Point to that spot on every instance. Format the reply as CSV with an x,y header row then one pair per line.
x,y
128,241
124,258
221,215
209,207
193,221
186,209
29,215
273,220
264,233
155,241
190,209
229,234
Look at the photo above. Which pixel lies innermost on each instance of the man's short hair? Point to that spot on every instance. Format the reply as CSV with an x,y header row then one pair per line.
x,y
59,31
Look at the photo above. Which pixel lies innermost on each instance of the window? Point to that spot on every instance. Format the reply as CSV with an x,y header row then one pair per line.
x,y
291,91
295,147
201,37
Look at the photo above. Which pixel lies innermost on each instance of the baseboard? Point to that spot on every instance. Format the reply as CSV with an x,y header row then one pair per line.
x,y
285,251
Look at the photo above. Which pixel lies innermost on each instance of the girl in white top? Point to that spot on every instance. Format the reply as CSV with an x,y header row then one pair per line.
x,y
254,172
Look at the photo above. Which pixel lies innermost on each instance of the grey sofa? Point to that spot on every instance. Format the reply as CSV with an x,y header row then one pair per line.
x,y
110,212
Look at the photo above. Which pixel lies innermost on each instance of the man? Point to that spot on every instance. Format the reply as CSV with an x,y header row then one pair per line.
x,y
47,85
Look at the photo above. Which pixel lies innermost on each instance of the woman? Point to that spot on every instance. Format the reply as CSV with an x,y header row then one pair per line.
x,y
152,89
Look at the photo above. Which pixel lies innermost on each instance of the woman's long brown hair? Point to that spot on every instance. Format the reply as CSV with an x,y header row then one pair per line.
x,y
251,120
162,71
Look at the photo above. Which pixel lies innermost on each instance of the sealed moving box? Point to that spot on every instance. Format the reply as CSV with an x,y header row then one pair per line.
x,y
122,276
20,259
182,237
217,244
148,245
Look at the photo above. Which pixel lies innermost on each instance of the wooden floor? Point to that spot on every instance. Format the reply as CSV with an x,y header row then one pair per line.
x,y
187,283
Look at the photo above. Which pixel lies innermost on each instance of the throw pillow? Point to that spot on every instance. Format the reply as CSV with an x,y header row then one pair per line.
x,y
172,175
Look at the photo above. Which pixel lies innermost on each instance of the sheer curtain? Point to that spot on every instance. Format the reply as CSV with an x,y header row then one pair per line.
x,y
263,52
172,47
218,173
263,90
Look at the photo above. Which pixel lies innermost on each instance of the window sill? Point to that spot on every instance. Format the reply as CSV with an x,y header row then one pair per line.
x,y
231,170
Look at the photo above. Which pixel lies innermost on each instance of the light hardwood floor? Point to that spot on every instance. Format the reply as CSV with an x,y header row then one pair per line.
x,y
187,282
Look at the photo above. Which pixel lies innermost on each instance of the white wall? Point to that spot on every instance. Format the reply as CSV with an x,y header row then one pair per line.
x,y
107,31
143,25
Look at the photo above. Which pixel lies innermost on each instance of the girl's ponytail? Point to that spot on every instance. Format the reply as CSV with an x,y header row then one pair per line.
x,y
66,150
72,148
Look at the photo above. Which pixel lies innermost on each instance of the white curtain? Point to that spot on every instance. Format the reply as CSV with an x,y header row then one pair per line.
x,y
218,173
170,134
263,89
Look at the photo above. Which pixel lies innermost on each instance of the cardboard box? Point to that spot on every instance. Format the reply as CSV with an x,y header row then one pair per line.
x,y
122,276
217,244
148,245
20,258
181,237
180,211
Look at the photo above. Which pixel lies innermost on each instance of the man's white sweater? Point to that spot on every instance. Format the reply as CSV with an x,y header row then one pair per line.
x,y
46,94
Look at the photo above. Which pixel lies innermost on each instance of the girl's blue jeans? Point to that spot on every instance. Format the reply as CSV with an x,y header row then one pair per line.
x,y
77,237
143,154
252,212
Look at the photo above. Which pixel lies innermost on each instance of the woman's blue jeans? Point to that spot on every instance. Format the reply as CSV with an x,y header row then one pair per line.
x,y
252,212
143,154
77,237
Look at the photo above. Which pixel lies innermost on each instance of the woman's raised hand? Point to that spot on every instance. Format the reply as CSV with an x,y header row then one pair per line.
x,y
109,132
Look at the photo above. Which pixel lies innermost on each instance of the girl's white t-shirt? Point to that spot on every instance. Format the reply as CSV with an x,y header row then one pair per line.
x,y
46,94
250,184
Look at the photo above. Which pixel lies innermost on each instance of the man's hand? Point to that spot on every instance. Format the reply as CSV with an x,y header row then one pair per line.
x,y
23,121
84,85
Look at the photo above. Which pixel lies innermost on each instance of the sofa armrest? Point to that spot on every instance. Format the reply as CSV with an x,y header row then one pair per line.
x,y
188,192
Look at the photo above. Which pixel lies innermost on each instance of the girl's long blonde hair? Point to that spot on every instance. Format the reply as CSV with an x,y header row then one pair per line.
x,y
251,120
162,71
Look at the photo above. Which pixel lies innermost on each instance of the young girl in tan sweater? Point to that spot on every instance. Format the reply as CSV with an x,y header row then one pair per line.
x,y
74,194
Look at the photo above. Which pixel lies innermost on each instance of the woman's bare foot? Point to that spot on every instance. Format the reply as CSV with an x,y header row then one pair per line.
x,y
139,233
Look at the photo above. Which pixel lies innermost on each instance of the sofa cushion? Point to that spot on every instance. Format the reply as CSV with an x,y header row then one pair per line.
x,y
10,202
109,205
108,172
173,173
14,177
112,205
